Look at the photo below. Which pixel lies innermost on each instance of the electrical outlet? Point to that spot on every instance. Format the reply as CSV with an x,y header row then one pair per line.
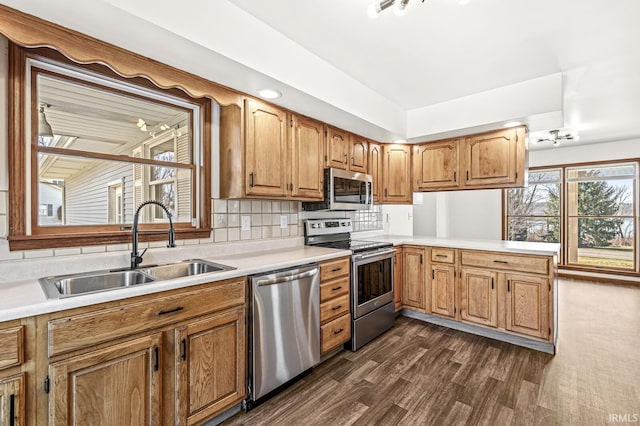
x,y
245,224
284,221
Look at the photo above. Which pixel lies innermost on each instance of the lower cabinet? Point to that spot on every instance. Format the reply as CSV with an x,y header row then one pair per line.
x,y
12,400
397,279
116,385
443,285
527,305
479,297
414,284
210,364
335,314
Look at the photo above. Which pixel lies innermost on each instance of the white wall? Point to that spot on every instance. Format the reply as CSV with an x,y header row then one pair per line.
x,y
585,153
425,214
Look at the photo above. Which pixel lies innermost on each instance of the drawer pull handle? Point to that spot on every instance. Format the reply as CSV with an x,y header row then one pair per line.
x,y
156,356
441,255
170,311
336,288
12,410
336,269
339,331
335,308
183,356
501,261
509,285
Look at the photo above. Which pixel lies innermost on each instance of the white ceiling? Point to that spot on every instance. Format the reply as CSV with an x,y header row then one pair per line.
x,y
384,77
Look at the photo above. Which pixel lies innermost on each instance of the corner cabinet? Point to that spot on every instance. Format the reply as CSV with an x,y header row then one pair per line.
x,y
396,174
397,279
489,160
267,152
414,283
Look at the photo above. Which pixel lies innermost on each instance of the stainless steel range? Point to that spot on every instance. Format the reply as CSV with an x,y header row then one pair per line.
x,y
372,308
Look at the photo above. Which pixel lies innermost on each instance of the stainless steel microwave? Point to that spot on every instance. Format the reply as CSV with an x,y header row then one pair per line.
x,y
344,190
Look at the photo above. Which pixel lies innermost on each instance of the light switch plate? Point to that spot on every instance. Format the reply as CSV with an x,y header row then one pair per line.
x,y
245,223
284,221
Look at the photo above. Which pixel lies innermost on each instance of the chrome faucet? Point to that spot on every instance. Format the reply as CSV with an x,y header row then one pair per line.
x,y
136,258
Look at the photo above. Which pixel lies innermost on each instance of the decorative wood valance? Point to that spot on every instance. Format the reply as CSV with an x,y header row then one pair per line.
x,y
30,31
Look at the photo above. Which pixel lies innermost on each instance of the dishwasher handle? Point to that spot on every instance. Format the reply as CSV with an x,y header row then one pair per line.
x,y
287,278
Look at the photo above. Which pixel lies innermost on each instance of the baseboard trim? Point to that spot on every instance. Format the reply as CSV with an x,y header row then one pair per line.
x,y
481,331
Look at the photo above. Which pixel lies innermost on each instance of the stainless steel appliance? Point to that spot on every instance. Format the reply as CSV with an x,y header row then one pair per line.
x,y
372,308
285,333
344,190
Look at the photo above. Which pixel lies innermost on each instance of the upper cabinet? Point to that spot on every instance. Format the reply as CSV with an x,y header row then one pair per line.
x,y
375,168
490,160
435,165
346,151
275,155
337,148
495,158
359,150
396,174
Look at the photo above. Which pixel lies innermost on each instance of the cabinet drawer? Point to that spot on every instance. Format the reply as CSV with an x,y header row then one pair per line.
x,y
334,288
335,332
334,269
443,255
11,346
510,262
77,331
334,308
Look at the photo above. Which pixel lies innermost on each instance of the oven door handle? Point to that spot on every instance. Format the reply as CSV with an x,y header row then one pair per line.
x,y
358,257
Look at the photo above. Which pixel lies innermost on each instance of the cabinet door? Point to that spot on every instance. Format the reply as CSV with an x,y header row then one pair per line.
x,y
337,149
397,279
359,154
12,393
443,289
266,150
435,165
210,364
528,305
492,158
413,288
307,159
375,168
117,385
478,295
396,174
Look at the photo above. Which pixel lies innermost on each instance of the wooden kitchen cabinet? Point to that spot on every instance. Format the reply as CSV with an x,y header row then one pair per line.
x,y
527,305
267,152
335,314
435,165
12,400
396,174
478,296
443,282
414,282
359,153
177,357
338,148
495,159
375,169
210,365
120,384
397,279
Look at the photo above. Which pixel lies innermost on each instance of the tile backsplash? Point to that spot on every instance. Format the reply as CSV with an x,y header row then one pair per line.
x,y
264,219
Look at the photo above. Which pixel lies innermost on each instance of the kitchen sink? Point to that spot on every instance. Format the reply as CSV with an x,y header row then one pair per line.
x,y
63,286
184,269
91,282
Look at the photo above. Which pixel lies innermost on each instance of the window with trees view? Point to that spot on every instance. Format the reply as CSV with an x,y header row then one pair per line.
x,y
590,210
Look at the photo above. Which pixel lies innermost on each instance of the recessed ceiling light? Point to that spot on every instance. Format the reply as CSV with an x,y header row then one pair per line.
x,y
269,94
512,124
463,2
399,141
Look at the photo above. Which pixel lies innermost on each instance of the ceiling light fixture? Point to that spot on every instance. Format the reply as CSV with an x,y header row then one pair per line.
x,y
400,7
269,94
378,6
555,137
512,124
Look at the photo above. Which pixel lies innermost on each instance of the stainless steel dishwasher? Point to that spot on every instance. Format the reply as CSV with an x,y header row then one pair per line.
x,y
285,331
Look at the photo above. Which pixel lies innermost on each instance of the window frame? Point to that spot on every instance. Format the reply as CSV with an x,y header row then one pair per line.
x,y
563,258
25,236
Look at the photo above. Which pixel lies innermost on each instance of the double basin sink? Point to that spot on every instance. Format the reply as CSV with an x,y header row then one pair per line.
x,y
62,286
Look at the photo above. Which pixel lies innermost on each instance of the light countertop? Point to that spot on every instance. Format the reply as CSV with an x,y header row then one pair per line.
x,y
25,298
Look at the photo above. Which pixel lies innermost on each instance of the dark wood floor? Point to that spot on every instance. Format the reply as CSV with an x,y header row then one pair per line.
x,y
421,374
